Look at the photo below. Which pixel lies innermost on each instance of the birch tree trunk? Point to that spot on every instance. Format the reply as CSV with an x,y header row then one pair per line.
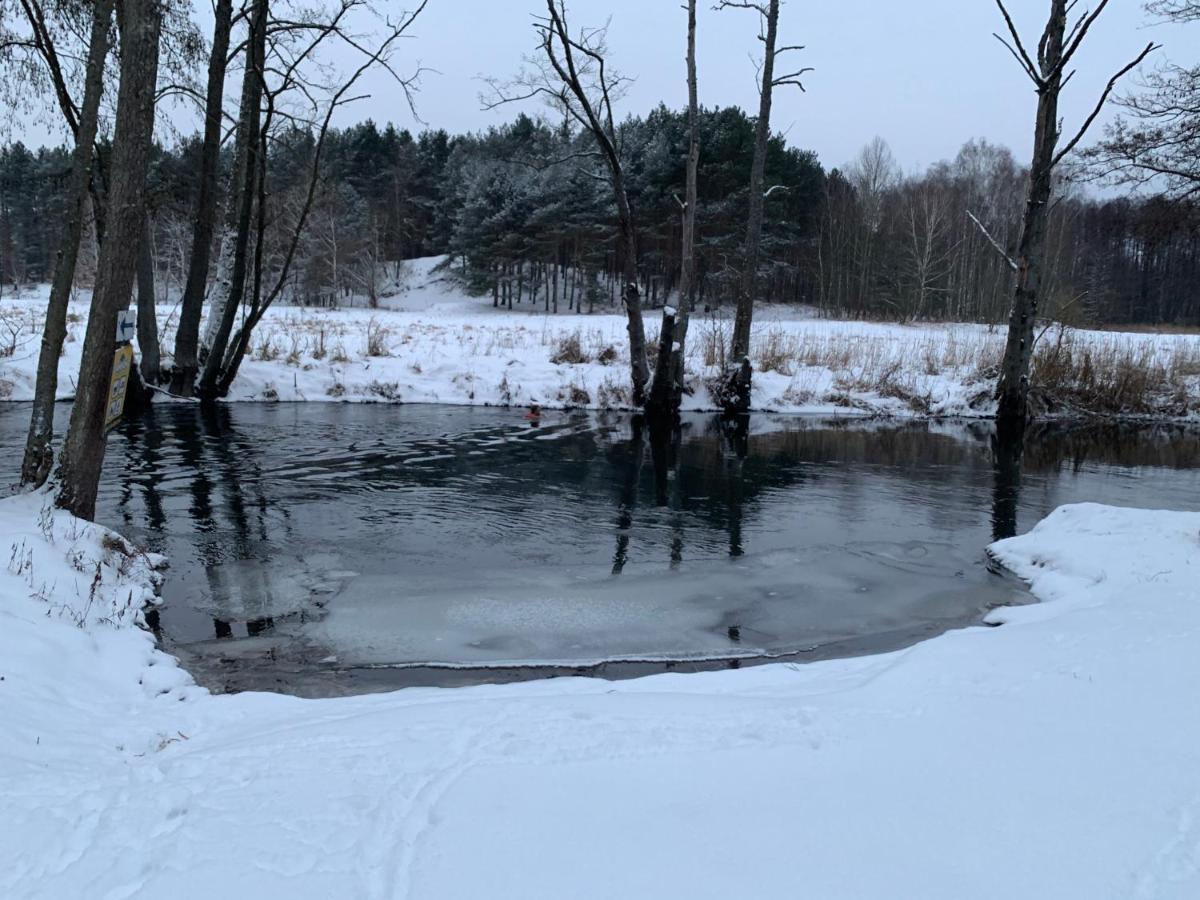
x,y
687,275
83,451
191,308
35,466
228,297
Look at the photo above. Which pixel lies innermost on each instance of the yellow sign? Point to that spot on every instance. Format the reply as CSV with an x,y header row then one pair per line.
x,y
122,364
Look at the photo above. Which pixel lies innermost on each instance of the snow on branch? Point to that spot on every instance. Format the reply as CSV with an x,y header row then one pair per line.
x,y
1012,263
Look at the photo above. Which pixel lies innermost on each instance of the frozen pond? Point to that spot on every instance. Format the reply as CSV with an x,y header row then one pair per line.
x,y
328,548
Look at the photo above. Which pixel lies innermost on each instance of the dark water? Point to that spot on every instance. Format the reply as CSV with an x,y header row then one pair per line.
x,y
326,548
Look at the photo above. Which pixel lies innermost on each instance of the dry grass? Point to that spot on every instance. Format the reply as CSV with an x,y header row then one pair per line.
x,y
384,390
613,393
319,350
266,350
776,352
714,341
569,350
927,369
1116,376
575,394
1165,328
377,339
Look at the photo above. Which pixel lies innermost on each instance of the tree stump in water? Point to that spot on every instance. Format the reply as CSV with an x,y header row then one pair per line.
x,y
734,394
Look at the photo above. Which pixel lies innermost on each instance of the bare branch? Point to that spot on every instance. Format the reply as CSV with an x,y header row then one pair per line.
x,y
792,78
740,4
1037,79
1078,33
1012,264
1108,89
1019,50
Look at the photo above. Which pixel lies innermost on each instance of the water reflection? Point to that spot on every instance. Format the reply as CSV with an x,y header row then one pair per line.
x,y
1006,490
627,498
391,535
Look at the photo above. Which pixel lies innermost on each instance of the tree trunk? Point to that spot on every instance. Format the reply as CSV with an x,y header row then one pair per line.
x,y
241,205
1013,389
740,346
83,451
187,337
639,368
147,324
687,273
600,124
39,456
658,404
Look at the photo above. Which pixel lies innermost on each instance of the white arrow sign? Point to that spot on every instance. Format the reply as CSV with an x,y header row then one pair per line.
x,y
126,324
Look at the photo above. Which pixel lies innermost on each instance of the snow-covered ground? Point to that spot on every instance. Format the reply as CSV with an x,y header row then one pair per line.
x,y
434,343
1056,756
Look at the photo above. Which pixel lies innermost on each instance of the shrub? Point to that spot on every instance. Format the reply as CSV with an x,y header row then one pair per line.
x,y
569,351
377,336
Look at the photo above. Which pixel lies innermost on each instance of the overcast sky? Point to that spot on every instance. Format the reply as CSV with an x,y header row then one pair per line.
x,y
926,75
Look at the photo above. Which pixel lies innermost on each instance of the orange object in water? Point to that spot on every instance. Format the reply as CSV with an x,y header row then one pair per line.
x,y
535,412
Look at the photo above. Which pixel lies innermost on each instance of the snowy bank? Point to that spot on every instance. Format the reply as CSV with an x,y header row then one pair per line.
x,y
1056,756
432,343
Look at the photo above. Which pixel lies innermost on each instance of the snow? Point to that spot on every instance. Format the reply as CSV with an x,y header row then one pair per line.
x,y
443,346
1055,756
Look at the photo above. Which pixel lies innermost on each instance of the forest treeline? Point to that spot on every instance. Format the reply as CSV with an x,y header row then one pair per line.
x,y
525,219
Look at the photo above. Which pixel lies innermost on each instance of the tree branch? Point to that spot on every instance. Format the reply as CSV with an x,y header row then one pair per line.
x,y
1012,264
1019,51
1108,89
1078,33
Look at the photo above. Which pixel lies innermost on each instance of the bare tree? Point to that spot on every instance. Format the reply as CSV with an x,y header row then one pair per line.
x,y
928,247
187,336
1055,50
235,242
38,458
83,451
1157,144
687,275
736,396
666,391
286,65
873,173
572,73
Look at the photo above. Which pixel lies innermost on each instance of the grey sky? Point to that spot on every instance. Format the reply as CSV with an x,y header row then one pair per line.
x,y
924,74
